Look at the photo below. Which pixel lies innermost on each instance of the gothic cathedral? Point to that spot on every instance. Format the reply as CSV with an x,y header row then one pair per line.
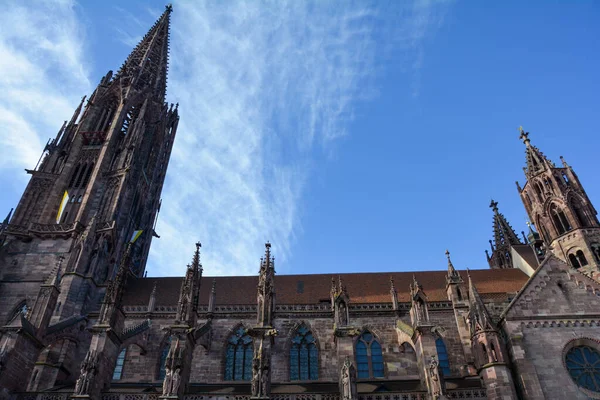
x,y
79,319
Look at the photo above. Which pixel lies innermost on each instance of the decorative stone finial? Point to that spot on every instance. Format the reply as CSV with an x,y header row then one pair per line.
x,y
494,205
524,136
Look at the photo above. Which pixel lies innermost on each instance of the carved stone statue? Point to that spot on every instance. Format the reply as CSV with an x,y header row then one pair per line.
x,y
256,377
348,381
343,315
436,384
176,380
166,388
87,372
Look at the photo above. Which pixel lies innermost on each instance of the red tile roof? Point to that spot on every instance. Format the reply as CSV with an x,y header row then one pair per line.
x,y
310,289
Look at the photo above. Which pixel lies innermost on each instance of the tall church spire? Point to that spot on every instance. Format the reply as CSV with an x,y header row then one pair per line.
x,y
504,238
147,65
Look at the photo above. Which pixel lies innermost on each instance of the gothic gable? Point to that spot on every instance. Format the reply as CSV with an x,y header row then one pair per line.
x,y
555,290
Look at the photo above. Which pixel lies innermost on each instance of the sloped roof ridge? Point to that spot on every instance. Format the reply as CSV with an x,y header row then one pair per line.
x,y
550,256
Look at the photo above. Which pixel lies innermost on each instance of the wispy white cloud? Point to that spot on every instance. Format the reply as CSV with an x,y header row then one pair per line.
x,y
42,76
262,87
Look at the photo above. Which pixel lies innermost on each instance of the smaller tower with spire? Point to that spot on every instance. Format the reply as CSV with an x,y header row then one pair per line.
x,y
561,211
504,239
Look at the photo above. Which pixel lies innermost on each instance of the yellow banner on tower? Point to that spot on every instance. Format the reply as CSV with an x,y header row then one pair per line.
x,y
135,236
61,208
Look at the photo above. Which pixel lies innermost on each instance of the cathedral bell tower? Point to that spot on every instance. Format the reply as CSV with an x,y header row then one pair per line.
x,y
91,203
559,207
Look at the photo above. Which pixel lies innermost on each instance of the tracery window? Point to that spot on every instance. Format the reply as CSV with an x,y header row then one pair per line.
x,y
442,356
583,364
118,371
561,222
304,356
238,356
369,356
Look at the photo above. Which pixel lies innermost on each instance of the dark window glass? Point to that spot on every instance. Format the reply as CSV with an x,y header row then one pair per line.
x,y
163,359
304,356
118,372
442,356
369,357
583,364
238,356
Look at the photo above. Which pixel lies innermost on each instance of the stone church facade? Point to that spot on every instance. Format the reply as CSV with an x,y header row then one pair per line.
x,y
78,319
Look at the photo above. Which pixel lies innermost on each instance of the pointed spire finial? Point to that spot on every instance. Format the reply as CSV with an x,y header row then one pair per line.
x,y
196,265
452,273
524,136
564,163
169,8
494,205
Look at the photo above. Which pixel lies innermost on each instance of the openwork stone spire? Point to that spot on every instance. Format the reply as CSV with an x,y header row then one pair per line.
x,y
453,275
504,237
266,289
187,306
147,65
535,159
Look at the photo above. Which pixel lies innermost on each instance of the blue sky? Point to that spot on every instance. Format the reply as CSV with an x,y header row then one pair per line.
x,y
355,136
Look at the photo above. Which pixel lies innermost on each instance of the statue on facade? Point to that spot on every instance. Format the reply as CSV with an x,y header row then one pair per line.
x,y
343,314
166,387
256,377
348,381
176,380
87,372
435,379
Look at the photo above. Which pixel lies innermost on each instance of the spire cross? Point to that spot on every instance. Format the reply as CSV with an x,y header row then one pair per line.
x,y
524,136
169,7
494,205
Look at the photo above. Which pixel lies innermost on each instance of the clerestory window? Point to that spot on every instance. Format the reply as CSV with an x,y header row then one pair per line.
x,y
238,356
304,356
369,356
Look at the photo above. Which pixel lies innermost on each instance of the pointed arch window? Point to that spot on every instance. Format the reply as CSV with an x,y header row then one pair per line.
x,y
304,356
238,356
163,359
118,371
581,258
561,222
573,260
538,191
440,346
369,356
579,212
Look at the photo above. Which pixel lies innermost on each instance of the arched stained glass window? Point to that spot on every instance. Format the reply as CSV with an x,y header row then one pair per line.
x,y
369,357
304,356
442,356
238,356
583,364
163,359
118,371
